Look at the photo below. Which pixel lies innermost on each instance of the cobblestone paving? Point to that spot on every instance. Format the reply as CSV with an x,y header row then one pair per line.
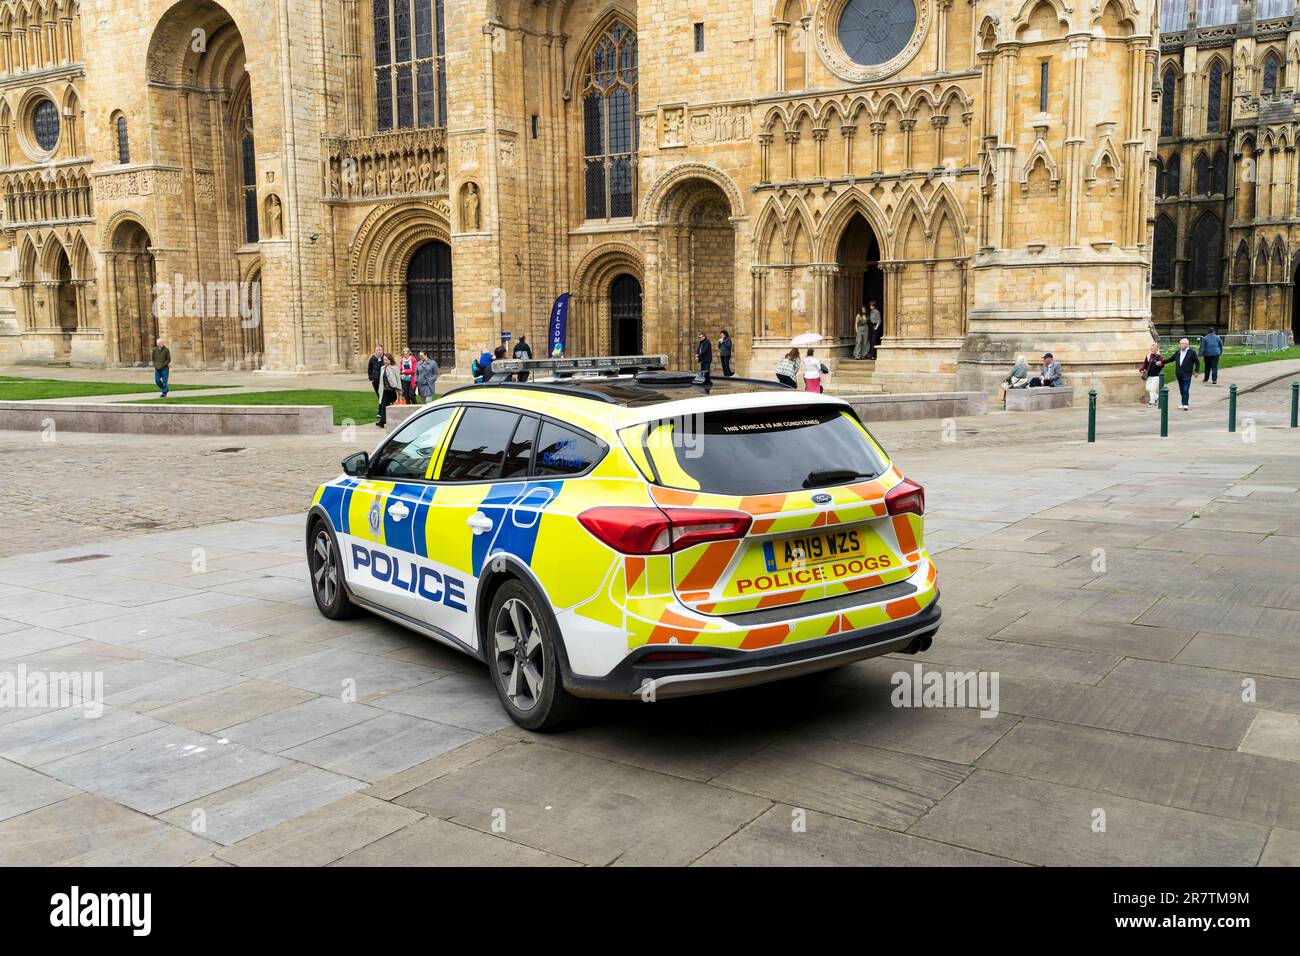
x,y
1138,600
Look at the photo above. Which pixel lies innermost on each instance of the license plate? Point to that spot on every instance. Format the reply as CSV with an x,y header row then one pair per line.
x,y
813,549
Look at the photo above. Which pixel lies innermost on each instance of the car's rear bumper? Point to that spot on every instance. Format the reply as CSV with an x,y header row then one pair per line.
x,y
719,668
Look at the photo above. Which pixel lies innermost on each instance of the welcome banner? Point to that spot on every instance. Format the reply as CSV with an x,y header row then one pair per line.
x,y
559,325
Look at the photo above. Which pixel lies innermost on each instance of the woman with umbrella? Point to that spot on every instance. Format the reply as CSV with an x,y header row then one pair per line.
x,y
813,369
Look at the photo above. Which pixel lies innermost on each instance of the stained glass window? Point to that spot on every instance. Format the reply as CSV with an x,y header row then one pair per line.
x,y
1167,89
609,124
876,31
45,125
1214,99
1206,244
1162,255
410,64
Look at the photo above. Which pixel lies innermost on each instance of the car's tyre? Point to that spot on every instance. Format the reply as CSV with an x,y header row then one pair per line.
x,y
521,646
326,573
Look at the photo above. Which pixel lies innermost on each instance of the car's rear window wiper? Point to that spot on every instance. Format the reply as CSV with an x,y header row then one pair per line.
x,y
833,476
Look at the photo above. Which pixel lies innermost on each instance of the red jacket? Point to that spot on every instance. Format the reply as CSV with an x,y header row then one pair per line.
x,y
408,367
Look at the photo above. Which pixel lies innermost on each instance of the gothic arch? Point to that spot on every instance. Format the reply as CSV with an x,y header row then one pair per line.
x,y
593,280
613,13
384,242
837,218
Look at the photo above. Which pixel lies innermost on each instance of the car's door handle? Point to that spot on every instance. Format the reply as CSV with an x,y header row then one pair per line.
x,y
479,523
398,511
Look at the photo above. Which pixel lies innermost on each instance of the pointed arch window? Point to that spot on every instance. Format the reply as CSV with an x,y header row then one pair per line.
x,y
248,174
1214,98
1207,238
1168,87
1221,173
609,130
1173,171
1162,255
410,63
123,143
1268,87
1202,175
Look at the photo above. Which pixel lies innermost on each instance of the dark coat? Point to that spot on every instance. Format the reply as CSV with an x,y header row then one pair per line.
x,y
373,368
523,349
724,347
1189,365
704,352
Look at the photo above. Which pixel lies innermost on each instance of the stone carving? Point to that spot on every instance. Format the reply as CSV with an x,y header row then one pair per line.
x,y
720,124
205,184
471,219
138,182
404,163
507,154
674,133
650,129
274,217
468,152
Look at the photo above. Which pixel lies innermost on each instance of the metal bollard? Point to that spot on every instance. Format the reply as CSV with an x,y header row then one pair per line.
x,y
1164,410
1295,404
1232,407
1092,415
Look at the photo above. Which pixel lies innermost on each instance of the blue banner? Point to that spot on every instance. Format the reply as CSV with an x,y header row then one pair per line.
x,y
558,329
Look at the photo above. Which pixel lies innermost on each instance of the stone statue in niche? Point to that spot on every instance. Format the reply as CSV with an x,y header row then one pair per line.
x,y
274,217
471,218
440,172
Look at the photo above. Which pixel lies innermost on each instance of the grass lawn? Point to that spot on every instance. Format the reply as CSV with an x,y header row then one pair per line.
x,y
14,389
1234,357
359,406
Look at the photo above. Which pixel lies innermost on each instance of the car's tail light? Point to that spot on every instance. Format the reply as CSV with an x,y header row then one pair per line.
x,y
634,530
906,497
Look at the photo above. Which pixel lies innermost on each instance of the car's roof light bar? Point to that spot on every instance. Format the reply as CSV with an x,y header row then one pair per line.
x,y
605,365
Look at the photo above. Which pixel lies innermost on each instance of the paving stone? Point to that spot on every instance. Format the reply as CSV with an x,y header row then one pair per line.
x,y
432,842
827,840
56,734
1012,658
619,813
161,769
1245,620
83,655
381,747
1270,693
331,672
1151,714
149,683
87,830
1220,782
23,640
236,812
1276,655
297,724
390,787
1051,825
322,835
1282,849
238,703
1275,735
881,787
1109,639
251,655
459,700
23,789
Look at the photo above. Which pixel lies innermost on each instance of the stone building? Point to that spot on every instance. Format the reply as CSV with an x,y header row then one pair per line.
x,y
1225,243
434,173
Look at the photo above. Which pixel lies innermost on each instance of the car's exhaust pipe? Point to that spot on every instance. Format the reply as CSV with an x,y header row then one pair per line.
x,y
919,645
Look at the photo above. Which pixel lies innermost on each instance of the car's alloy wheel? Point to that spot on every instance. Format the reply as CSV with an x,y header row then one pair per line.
x,y
520,657
326,574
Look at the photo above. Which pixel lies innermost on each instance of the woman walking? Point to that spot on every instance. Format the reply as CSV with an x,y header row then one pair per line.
x,y
408,376
390,384
426,374
1152,370
862,343
812,372
787,367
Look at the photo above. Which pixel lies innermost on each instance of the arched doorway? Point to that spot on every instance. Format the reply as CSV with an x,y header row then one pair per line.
x,y
65,301
428,303
252,336
861,279
625,316
132,277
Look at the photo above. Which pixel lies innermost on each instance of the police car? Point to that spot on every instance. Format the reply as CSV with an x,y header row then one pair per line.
x,y
614,530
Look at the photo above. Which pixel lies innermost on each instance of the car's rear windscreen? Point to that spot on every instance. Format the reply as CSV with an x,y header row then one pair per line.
x,y
759,451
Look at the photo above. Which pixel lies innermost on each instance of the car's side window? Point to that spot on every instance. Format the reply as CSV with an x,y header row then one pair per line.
x,y
406,456
564,452
519,453
479,445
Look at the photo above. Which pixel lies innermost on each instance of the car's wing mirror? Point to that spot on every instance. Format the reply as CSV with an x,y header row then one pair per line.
x,y
357,465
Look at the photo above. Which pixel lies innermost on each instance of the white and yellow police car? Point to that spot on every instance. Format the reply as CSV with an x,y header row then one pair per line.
x,y
630,533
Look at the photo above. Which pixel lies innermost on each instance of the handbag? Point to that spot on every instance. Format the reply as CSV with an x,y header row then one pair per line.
x,y
825,370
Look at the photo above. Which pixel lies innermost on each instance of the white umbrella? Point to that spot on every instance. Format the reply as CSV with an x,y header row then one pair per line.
x,y
806,338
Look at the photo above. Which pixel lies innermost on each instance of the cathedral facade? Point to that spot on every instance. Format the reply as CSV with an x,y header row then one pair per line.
x,y
284,184
1226,242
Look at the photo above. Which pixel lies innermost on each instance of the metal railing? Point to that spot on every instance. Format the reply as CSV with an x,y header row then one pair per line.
x,y
1256,343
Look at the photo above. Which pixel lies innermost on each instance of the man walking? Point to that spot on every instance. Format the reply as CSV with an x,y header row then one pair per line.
x,y
162,366
375,367
523,351
724,353
1211,349
1186,364
876,324
704,355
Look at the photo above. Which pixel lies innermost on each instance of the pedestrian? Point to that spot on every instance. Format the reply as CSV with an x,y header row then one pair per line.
x,y
162,366
861,334
724,353
408,376
375,367
1050,376
524,352
1018,377
1211,349
787,367
704,355
877,328
426,375
812,372
1152,373
390,386
481,368
1186,364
